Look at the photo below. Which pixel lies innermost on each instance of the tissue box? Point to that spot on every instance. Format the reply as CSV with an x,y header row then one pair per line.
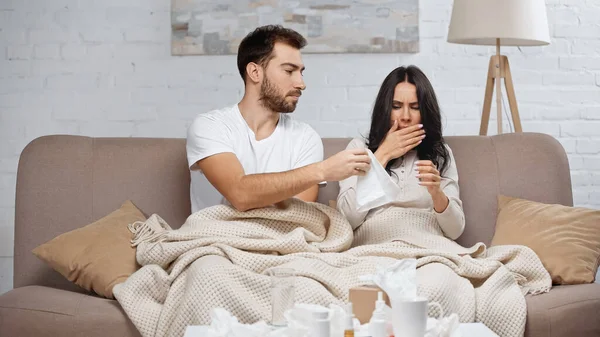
x,y
363,301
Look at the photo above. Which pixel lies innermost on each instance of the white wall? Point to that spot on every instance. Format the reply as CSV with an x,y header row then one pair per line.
x,y
103,68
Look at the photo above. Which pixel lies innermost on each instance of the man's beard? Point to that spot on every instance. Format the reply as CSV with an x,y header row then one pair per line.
x,y
270,98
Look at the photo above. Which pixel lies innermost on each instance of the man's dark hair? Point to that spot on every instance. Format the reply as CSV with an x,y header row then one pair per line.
x,y
258,46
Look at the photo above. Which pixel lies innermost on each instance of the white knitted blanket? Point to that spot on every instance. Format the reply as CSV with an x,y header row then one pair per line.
x,y
171,292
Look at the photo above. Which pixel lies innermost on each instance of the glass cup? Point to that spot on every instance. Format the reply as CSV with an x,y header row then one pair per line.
x,y
282,294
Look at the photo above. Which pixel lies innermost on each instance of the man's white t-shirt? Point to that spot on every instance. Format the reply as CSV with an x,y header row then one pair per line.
x,y
293,144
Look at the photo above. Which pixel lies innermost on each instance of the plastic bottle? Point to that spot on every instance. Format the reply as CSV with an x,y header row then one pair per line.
x,y
321,326
377,324
349,327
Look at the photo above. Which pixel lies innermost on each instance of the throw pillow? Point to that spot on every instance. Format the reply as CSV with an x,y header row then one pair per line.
x,y
566,239
98,256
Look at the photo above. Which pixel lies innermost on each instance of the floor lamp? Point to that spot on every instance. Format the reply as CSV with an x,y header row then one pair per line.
x,y
496,23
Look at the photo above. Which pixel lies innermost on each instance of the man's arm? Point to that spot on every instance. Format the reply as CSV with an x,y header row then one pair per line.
x,y
310,195
244,192
250,191
309,151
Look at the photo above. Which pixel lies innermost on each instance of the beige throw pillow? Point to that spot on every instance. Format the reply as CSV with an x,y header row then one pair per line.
x,y
566,239
98,256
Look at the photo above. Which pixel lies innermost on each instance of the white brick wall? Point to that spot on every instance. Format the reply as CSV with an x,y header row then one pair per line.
x,y
103,68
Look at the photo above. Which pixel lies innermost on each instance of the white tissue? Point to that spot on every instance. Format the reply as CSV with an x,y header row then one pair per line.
x,y
299,320
376,188
225,325
398,280
444,327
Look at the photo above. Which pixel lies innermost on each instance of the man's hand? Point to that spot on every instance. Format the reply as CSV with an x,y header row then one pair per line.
x,y
345,164
398,142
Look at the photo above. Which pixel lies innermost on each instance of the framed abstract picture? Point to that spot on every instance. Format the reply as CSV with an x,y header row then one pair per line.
x,y
216,27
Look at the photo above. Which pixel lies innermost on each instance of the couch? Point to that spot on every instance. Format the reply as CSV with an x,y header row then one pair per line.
x,y
66,182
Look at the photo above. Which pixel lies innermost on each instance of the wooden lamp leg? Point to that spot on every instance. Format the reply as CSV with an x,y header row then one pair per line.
x,y
512,99
487,100
497,70
499,76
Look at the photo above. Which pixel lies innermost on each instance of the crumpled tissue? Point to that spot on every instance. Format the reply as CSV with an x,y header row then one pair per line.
x,y
299,319
443,327
399,281
376,188
223,324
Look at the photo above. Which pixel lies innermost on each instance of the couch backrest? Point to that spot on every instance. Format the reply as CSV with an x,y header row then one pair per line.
x,y
66,182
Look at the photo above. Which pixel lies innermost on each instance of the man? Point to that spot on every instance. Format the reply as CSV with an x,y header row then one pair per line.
x,y
253,153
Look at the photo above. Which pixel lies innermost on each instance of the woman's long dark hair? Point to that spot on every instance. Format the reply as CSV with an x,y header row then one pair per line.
x,y
432,148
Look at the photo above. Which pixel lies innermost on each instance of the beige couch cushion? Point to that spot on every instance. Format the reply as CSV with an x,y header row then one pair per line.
x,y
48,312
567,239
565,311
98,256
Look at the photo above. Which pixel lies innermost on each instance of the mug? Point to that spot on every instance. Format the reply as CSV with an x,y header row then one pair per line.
x,y
409,317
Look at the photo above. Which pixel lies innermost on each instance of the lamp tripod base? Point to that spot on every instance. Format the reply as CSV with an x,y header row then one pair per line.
x,y
499,69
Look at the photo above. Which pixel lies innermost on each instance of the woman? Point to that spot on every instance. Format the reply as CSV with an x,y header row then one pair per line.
x,y
406,138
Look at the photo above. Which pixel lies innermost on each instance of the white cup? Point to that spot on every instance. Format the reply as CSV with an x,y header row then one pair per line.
x,y
409,317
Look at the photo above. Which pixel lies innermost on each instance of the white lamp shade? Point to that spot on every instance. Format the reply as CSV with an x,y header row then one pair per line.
x,y
514,22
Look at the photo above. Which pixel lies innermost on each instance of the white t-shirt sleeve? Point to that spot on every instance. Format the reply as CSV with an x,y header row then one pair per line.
x,y
311,149
206,137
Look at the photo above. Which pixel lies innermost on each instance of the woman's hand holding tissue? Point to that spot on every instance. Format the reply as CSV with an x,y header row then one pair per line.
x,y
398,142
429,177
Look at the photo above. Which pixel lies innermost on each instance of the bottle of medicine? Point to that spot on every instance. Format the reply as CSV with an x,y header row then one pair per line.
x,y
377,324
349,326
321,326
